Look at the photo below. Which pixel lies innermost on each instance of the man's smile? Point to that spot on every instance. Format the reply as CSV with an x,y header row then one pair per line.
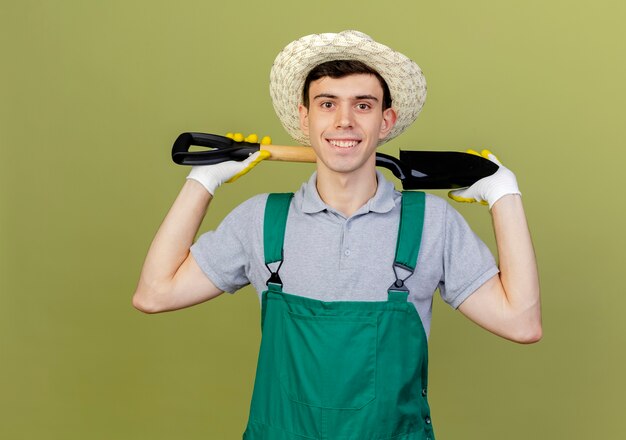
x,y
344,143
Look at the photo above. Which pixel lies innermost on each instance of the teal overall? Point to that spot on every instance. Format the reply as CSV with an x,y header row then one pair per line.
x,y
341,370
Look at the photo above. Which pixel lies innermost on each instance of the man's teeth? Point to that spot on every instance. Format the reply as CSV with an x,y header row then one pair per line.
x,y
343,144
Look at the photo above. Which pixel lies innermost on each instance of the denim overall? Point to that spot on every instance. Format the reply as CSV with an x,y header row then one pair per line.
x,y
341,370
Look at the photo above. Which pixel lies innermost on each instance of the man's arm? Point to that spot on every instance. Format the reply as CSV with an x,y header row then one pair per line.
x,y
509,303
171,278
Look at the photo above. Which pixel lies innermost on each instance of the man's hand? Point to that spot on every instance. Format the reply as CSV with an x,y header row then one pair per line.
x,y
490,189
212,176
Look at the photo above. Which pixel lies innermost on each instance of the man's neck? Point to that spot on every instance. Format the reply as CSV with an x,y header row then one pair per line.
x,y
346,192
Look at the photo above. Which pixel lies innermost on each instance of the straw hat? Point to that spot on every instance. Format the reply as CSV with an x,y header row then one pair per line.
x,y
291,67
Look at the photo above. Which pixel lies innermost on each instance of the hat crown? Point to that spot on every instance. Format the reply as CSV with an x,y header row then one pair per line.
x,y
347,36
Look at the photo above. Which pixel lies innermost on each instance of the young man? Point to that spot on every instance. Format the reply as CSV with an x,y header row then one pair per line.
x,y
348,266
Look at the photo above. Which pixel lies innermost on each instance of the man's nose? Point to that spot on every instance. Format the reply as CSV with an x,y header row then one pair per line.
x,y
344,117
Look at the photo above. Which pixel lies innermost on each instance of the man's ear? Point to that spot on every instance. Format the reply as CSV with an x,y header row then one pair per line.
x,y
389,120
304,119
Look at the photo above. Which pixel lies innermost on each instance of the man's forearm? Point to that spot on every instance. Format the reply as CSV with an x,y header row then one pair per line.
x,y
508,304
170,246
518,266
176,234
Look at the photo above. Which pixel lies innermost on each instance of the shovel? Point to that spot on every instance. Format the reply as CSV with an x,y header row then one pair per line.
x,y
415,169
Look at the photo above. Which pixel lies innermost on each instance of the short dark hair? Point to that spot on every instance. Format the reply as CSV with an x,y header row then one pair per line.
x,y
339,69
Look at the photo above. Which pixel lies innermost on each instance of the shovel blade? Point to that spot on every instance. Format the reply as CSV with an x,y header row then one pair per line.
x,y
443,169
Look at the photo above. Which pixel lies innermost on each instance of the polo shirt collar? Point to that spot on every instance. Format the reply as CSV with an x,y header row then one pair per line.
x,y
383,200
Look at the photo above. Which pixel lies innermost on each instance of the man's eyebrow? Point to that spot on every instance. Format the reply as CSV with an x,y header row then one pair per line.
x,y
331,96
371,97
325,95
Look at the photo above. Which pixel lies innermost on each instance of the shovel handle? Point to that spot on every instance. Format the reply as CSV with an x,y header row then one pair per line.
x,y
290,154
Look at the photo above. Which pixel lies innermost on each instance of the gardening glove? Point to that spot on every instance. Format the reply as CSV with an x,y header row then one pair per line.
x,y
490,189
212,176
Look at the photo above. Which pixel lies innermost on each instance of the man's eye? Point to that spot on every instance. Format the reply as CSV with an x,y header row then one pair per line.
x,y
363,106
327,104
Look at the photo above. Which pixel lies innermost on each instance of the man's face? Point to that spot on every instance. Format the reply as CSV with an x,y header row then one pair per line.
x,y
345,121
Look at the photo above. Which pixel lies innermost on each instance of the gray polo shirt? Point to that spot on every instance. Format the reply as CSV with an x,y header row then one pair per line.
x,y
333,258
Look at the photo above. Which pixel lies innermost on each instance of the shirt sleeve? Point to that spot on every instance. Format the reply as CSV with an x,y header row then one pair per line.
x,y
468,262
224,254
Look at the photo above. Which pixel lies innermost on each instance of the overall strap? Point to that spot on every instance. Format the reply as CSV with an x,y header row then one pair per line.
x,y
409,236
274,223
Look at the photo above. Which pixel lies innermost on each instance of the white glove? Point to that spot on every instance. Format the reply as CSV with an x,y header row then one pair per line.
x,y
490,189
212,176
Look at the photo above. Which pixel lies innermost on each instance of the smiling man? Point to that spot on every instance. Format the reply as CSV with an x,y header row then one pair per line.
x,y
346,267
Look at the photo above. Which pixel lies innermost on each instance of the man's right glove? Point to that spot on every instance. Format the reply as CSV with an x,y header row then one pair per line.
x,y
490,189
212,176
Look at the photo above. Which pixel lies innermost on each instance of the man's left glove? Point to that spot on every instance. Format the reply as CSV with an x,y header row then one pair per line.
x,y
212,176
490,189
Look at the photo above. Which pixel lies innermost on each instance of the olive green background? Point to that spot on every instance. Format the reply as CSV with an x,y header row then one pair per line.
x,y
92,95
